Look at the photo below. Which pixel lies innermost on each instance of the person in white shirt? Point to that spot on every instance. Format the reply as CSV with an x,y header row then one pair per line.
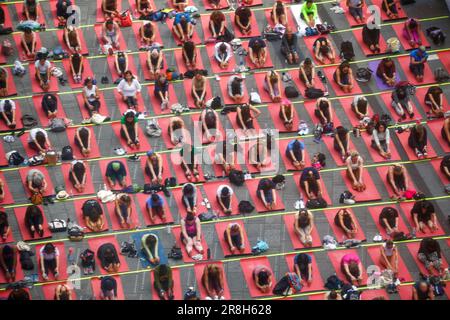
x,y
381,140
224,197
38,140
129,88
223,54
355,167
43,67
8,112
49,260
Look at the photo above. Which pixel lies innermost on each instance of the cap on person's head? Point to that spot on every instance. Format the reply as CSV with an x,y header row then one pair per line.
x,y
116,166
422,48
150,153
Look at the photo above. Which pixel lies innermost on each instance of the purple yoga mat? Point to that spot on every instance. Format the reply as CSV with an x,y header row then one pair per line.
x,y
380,84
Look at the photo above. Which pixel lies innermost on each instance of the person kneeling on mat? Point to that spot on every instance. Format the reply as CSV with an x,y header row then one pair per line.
x,y
381,140
401,101
49,261
155,207
295,151
345,221
224,198
289,46
257,51
286,114
351,267
266,192
418,141
434,98
343,76
445,166
263,278
310,183
388,219
34,220
93,215
149,243
355,167
213,282
398,180
424,215
191,235
109,259
163,282
303,226
36,181
183,27
189,162
77,175
123,210
234,237
154,167
430,255
108,288
323,48
386,71
418,58
258,154
116,173
303,268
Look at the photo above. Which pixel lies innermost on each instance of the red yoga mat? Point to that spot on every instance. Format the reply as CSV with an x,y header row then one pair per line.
x,y
317,282
62,261
351,21
19,271
21,52
165,164
339,234
357,33
143,64
403,137
274,110
249,63
178,54
195,37
290,19
374,293
198,269
21,13
87,72
133,7
123,107
95,243
270,163
435,127
384,17
254,32
115,223
84,112
104,164
211,193
325,195
8,198
98,32
178,197
437,168
187,84
100,15
403,273
413,249
263,93
52,4
49,291
142,203
252,186
387,100
84,48
376,157
156,103
383,171
78,204
165,136
223,4
405,292
375,212
309,41
20,217
43,119
89,188
248,266
95,151
287,162
144,144
406,208
220,230
176,233
177,287
289,221
428,76
398,28
8,21
329,71
371,192
219,134
23,174
223,83
336,257
215,67
96,288
301,86
137,25
3,161
35,87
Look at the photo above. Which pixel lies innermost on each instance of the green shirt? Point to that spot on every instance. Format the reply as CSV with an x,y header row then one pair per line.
x,y
306,11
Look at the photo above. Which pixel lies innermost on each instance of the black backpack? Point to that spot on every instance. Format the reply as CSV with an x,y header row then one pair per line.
x,y
15,159
236,177
345,195
216,103
175,253
333,283
348,292
291,92
347,52
281,288
245,207
318,203
25,260
67,153
87,259
314,93
436,35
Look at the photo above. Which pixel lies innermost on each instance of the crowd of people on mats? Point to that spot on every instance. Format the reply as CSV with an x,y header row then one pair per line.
x,y
225,49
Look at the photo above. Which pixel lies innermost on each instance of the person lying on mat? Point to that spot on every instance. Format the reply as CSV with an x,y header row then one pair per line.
x,y
5,228
72,39
49,261
289,46
424,215
434,98
234,237
28,42
223,53
389,257
4,82
8,262
19,294
242,19
213,282
418,58
235,87
333,295
8,113
386,71
390,8
303,227
161,91
266,192
272,84
163,282
129,129
91,96
34,220
30,10
155,208
150,247
295,151
62,12
176,130
123,210
371,37
36,181
217,24
110,9
129,88
109,259
388,219
345,220
226,154
147,33
310,183
245,115
355,167
445,165
398,180
93,215
110,35
83,140
116,173
154,167
306,72
258,154
418,141
359,106
191,235
183,26
401,101
189,197
43,71
155,62
76,67
49,104
309,13
209,120
257,51
411,32
303,267
108,288
180,5
121,63
279,13
352,268
263,278
63,292
323,111
189,54
343,76
355,8
341,142
430,255
198,91
224,196
286,114
144,8
323,48
422,290
77,175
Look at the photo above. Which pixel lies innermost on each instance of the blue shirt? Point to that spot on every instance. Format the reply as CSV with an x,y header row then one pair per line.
x,y
154,204
298,255
416,56
290,146
179,15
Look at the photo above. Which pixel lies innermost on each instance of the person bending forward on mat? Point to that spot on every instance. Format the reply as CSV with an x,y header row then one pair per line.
x,y
306,73
303,268
109,259
29,42
155,208
388,219
110,36
258,154
209,120
43,71
418,141
401,101
189,198
198,90
129,89
91,96
116,173
180,5
323,111
72,39
8,113
430,255
289,46
352,268
417,60
155,62
34,220
110,9
76,67
360,107
144,8
8,262
386,71
257,51
129,129
323,48
36,181
411,32
371,38
4,82
108,288
389,257
341,142
63,292
5,228
223,54
390,8
150,247
83,140
161,91
303,227
62,12
49,104
191,235
224,196
295,151
262,277
189,54
434,98
309,13
266,193
422,290
343,76
424,215
286,114
226,154
183,27
77,175
234,237
445,165
355,8
310,183
123,210
272,85
93,215
213,282
147,33
236,88
242,19
163,282
176,130
398,180
49,261
154,167
121,63
217,24
345,221
355,167
279,13
30,10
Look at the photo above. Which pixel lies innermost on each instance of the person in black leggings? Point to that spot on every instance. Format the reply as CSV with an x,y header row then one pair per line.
x,y
8,262
34,220
77,175
234,237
